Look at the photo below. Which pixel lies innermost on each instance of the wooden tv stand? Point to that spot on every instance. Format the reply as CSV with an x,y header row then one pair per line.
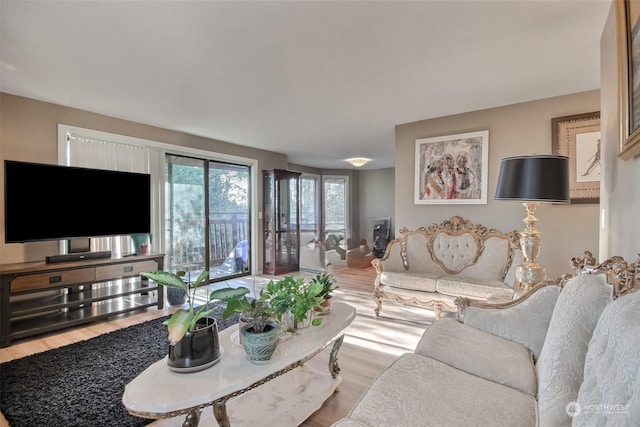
x,y
36,297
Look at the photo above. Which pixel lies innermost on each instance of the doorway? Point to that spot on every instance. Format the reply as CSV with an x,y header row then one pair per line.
x,y
207,217
311,248
335,200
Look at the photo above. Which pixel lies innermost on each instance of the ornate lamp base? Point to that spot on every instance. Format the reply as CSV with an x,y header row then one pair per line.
x,y
529,273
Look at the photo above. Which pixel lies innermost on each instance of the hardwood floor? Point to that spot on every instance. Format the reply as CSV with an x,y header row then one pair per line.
x,y
371,344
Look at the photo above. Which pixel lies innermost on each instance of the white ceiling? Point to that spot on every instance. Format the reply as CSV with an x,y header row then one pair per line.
x,y
320,81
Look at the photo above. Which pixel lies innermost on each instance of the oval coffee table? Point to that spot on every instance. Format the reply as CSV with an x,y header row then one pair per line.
x,y
282,392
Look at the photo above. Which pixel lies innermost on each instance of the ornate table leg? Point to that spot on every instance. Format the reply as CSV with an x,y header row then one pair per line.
x,y
334,368
220,412
192,420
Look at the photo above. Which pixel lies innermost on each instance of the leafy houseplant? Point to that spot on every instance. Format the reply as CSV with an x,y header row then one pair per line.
x,y
183,321
256,311
259,336
294,296
305,301
193,337
328,283
280,293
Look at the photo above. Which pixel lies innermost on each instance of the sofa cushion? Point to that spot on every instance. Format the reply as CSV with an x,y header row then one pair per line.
x,y
410,295
392,260
451,285
516,323
417,254
425,282
610,391
479,353
491,264
561,363
454,252
419,391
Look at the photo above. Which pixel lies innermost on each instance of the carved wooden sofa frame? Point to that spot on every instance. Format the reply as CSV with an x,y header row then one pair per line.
x,y
624,277
397,259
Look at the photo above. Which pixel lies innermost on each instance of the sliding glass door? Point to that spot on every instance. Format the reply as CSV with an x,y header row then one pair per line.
x,y
207,211
311,249
336,218
228,225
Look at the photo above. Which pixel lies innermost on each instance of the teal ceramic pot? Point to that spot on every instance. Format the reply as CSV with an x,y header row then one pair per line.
x,y
140,241
198,348
259,346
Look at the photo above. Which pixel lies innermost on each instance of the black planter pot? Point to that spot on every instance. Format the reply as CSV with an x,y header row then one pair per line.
x,y
196,350
176,296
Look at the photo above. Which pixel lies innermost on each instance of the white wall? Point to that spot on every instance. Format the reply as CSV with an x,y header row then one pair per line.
x,y
375,192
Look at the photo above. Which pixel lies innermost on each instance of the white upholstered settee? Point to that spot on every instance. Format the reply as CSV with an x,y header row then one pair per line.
x,y
431,267
560,356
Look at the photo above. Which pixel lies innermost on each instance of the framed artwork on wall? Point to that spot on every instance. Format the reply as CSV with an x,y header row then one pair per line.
x,y
452,169
578,137
628,24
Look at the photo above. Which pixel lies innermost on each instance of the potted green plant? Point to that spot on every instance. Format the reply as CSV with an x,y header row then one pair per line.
x,y
328,283
258,331
304,302
193,336
280,294
293,297
251,310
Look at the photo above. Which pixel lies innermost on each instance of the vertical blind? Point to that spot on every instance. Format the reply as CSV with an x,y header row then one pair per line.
x,y
88,152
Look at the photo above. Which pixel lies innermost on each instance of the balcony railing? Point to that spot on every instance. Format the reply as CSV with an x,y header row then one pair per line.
x,y
187,250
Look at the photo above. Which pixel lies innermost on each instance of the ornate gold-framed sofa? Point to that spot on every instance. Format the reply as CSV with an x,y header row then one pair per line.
x,y
431,267
565,354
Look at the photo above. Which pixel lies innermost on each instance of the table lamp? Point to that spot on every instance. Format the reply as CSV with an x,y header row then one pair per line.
x,y
532,180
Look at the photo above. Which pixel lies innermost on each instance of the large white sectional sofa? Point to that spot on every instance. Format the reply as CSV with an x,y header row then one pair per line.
x,y
565,354
431,267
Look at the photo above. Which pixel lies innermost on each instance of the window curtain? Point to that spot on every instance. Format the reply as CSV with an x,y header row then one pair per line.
x,y
88,152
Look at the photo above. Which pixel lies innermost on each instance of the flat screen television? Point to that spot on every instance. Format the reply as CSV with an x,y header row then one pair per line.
x,y
52,202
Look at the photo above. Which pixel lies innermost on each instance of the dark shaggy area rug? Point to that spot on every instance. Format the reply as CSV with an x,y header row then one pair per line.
x,y
82,384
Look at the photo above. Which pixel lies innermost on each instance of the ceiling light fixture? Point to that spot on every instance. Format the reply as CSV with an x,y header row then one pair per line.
x,y
358,161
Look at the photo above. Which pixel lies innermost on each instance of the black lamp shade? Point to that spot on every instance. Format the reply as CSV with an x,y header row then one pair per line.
x,y
542,178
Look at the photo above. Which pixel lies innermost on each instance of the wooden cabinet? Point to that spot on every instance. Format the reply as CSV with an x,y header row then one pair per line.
x,y
281,221
36,297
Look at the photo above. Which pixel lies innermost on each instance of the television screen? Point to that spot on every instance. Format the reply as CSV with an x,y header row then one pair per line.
x,y
51,202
